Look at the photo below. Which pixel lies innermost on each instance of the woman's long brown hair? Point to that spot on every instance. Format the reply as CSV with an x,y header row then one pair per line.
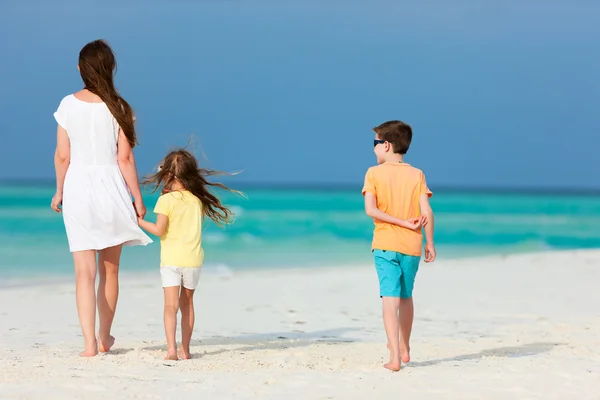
x,y
97,66
180,165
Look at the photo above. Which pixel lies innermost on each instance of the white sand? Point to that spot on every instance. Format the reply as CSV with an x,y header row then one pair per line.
x,y
520,327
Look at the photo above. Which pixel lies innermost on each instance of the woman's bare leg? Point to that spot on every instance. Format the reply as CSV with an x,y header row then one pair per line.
x,y
108,294
85,294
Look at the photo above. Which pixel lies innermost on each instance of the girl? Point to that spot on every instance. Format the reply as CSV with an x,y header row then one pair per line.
x,y
95,179
184,202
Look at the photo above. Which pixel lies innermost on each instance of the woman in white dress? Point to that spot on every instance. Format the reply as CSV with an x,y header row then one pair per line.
x,y
96,179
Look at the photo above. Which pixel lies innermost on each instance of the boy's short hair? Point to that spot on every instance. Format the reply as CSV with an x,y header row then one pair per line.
x,y
397,133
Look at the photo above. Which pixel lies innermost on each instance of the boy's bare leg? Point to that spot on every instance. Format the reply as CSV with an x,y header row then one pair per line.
x,y
85,294
170,319
391,322
406,322
108,294
186,303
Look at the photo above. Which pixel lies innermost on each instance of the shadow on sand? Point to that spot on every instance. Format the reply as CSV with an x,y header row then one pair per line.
x,y
267,341
525,350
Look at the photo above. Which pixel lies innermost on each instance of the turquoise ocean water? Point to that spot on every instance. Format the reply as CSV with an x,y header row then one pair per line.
x,y
279,228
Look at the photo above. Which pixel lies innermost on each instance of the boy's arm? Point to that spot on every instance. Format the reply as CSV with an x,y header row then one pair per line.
x,y
158,228
427,212
374,212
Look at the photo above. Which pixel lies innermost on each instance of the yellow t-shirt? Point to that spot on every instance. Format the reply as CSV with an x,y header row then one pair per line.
x,y
397,187
181,244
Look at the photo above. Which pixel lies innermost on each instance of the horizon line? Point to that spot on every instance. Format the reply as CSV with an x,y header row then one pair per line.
x,y
331,187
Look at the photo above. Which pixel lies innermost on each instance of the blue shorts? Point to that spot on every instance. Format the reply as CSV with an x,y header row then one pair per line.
x,y
396,273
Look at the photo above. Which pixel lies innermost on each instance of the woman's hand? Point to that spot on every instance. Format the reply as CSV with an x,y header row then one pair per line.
x,y
57,202
140,208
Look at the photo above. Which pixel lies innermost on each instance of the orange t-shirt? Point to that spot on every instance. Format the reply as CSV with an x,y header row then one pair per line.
x,y
397,188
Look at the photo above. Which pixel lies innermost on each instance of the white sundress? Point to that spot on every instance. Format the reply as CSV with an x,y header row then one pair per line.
x,y
97,208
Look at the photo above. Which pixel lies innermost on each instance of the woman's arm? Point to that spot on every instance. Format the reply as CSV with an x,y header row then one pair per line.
x,y
158,228
62,159
128,169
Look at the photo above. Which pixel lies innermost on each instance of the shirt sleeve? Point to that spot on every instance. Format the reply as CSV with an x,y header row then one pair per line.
x,y
369,185
164,205
423,186
60,115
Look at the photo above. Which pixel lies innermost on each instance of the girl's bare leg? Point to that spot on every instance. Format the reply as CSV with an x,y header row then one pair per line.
x,y
170,318
85,294
186,304
108,294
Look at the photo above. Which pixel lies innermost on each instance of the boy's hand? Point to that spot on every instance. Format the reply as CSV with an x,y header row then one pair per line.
x,y
429,252
139,220
417,223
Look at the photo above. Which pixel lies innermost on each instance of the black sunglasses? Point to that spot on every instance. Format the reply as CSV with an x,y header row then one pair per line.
x,y
377,141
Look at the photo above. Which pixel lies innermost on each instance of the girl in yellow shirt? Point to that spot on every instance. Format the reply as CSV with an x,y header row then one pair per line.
x,y
184,203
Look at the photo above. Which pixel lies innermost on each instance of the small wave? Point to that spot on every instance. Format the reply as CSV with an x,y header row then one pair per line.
x,y
249,238
214,238
237,211
219,270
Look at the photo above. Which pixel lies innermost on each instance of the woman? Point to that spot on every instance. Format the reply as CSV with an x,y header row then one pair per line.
x,y
95,179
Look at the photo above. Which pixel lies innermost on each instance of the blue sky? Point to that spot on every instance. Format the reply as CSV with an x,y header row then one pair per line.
x,y
500,94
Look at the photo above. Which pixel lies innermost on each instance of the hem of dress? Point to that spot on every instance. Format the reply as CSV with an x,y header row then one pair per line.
x,y
124,242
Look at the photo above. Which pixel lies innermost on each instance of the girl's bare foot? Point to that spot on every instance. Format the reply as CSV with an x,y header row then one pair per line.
x,y
172,355
184,354
105,345
393,365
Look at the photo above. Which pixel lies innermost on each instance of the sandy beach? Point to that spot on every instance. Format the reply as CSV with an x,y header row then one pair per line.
x,y
515,327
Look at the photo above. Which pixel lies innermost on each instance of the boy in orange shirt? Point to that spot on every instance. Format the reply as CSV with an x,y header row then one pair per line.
x,y
397,198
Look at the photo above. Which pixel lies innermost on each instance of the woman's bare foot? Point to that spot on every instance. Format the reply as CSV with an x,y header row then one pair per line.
x,y
105,345
172,355
405,355
90,351
184,354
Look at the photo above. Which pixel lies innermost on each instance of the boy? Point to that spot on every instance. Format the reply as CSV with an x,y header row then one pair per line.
x,y
397,198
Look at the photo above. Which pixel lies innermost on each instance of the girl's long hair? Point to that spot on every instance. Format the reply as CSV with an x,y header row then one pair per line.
x,y
182,166
97,66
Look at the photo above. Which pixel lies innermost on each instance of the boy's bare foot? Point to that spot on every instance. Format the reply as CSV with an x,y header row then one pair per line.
x,y
172,355
394,364
404,353
184,354
105,345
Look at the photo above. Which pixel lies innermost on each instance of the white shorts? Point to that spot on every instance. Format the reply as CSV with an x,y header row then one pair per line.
x,y
178,276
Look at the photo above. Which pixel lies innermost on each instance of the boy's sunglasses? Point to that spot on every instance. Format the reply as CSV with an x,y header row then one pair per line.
x,y
377,141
